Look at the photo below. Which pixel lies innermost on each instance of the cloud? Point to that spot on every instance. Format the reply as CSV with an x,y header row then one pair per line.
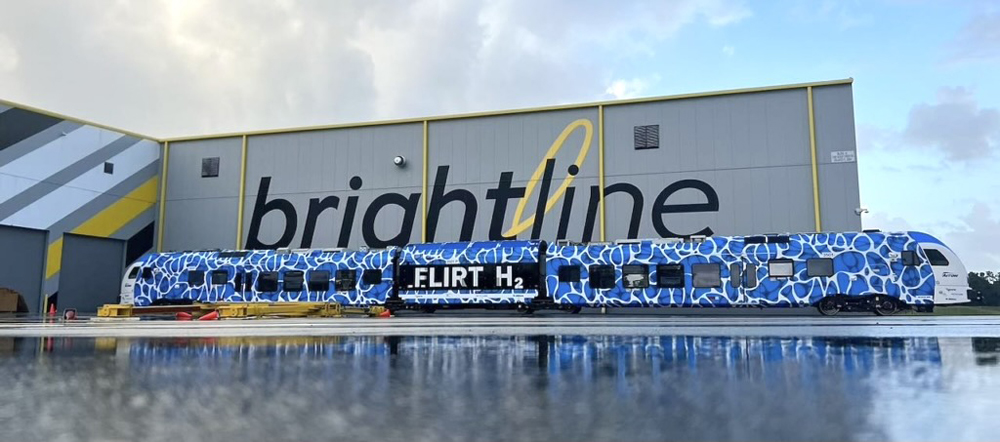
x,y
975,238
955,124
629,88
979,39
187,66
728,50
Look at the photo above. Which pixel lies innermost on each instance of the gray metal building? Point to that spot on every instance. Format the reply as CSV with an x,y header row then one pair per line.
x,y
761,160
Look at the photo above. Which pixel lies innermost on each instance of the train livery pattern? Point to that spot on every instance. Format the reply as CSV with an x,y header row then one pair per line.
x,y
169,279
858,264
862,265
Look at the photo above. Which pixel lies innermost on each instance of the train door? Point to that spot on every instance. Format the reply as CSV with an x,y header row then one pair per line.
x,y
750,282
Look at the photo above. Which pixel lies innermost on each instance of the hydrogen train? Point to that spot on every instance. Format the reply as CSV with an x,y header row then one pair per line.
x,y
880,272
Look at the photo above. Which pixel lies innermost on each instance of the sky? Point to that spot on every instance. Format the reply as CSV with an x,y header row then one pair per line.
x,y
926,89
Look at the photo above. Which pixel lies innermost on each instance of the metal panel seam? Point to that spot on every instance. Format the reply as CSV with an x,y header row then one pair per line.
x,y
243,191
600,163
812,151
423,200
163,196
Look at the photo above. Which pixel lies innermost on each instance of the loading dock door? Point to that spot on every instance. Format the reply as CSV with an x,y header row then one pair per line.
x,y
22,263
91,272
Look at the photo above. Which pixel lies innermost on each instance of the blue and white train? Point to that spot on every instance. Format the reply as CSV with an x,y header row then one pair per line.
x,y
854,271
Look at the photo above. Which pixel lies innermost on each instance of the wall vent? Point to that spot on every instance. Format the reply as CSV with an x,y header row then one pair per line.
x,y
647,137
210,167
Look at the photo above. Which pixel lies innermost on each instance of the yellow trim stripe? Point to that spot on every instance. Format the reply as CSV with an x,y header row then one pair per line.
x,y
423,223
519,111
812,151
600,164
74,119
243,193
160,227
108,221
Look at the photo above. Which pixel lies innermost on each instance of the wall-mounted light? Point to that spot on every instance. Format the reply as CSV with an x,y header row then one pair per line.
x,y
399,161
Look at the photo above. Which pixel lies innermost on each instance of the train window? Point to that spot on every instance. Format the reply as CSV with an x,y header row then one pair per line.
x,y
706,275
346,280
238,281
319,281
734,275
780,268
909,258
569,273
635,276
293,280
220,277
147,273
819,267
133,273
267,282
601,276
196,278
936,257
371,276
670,276
751,273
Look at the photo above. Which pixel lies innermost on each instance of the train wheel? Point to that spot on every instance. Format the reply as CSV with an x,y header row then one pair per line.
x,y
885,306
523,308
828,306
575,310
428,309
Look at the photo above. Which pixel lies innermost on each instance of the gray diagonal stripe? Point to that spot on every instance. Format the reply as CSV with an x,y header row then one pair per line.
x,y
3,108
53,182
19,149
102,201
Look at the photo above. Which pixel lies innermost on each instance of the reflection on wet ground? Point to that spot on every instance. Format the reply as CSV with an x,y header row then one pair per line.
x,y
499,388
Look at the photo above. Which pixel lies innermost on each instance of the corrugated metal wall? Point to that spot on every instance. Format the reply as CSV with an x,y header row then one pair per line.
x,y
725,164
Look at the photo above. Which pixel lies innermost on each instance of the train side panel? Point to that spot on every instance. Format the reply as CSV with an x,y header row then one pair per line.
x,y
347,277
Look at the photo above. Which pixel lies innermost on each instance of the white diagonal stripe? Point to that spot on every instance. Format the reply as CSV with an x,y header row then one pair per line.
x,y
53,207
32,167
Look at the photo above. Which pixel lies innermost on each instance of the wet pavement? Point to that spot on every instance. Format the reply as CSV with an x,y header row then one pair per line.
x,y
740,383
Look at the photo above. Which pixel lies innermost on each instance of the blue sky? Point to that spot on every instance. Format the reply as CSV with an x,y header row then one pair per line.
x,y
926,90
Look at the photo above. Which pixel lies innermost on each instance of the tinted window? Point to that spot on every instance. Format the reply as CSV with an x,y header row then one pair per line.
x,y
372,276
734,275
909,258
635,276
147,273
936,257
670,276
196,278
319,281
133,273
220,277
267,282
706,275
569,273
819,267
238,281
346,280
293,281
780,268
601,277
